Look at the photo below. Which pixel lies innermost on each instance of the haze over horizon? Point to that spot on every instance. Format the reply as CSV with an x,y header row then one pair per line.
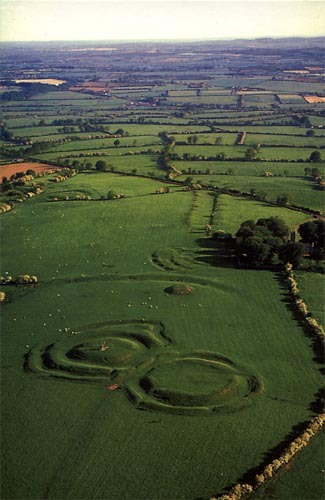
x,y
156,20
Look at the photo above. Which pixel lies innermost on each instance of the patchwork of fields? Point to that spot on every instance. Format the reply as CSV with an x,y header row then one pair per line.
x,y
145,362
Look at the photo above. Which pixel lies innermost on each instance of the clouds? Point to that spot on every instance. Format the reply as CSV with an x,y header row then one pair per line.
x,y
154,19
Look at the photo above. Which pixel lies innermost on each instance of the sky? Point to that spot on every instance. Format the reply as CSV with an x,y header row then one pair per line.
x,y
47,20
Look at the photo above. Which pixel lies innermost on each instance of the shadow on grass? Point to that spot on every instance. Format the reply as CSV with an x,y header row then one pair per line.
x,y
315,340
216,252
274,453
317,406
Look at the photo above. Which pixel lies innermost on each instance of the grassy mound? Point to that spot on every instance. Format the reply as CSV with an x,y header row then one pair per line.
x,y
107,350
198,383
171,259
180,289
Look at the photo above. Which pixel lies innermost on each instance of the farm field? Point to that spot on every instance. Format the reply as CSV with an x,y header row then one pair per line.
x,y
247,169
312,289
306,465
265,153
232,211
121,286
9,169
301,191
141,356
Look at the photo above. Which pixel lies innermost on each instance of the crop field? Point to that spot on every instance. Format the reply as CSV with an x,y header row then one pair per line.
x,y
9,169
140,358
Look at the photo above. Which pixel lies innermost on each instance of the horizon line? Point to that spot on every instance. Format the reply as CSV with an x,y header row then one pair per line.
x,y
165,40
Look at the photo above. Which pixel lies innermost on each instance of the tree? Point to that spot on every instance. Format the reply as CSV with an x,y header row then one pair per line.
x,y
310,133
315,172
256,250
275,225
6,185
261,243
313,232
292,252
111,195
30,171
250,154
117,142
246,229
101,166
283,200
315,157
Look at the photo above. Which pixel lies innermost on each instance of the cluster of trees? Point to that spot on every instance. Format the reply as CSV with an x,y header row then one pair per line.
x,y
37,148
83,125
166,156
25,90
313,233
103,166
65,174
265,243
313,172
5,134
17,179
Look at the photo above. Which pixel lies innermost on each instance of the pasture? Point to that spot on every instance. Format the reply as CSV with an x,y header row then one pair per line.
x,y
93,288
312,289
231,212
302,191
146,363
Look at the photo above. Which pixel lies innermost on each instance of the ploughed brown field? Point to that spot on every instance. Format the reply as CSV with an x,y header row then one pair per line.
x,y
311,99
12,168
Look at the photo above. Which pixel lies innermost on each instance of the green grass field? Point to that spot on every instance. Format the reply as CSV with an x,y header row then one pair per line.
x,y
231,212
306,465
302,192
146,363
247,169
311,286
248,358
97,185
